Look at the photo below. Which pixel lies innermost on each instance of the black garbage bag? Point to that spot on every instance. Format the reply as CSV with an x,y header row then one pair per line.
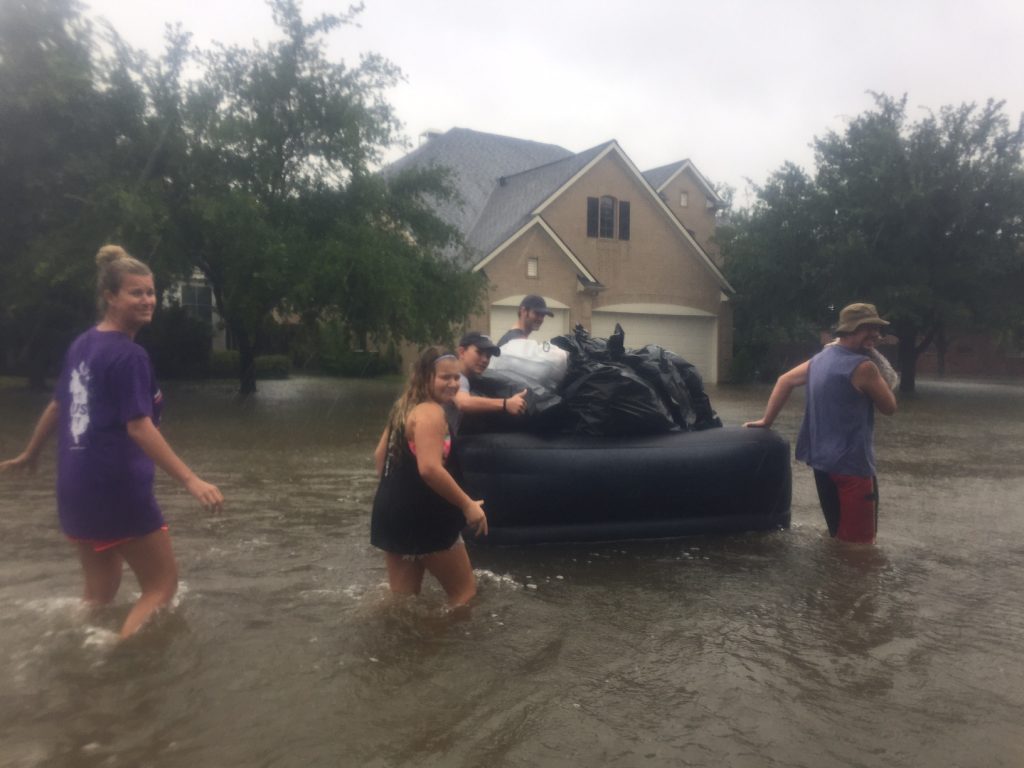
x,y
584,348
678,383
704,415
610,399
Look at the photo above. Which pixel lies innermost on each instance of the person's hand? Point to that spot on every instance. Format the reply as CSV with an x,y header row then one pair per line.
x,y
475,517
206,494
759,423
22,462
516,405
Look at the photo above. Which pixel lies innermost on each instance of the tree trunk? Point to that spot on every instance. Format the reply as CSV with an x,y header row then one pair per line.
x,y
246,364
941,345
907,357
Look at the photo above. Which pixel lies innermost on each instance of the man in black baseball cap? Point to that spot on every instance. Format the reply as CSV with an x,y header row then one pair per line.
x,y
475,352
532,311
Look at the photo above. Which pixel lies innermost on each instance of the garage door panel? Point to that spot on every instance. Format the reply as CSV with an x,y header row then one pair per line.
x,y
689,337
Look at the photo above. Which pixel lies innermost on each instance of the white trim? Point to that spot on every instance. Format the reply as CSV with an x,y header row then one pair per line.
x,y
514,301
536,221
654,309
701,179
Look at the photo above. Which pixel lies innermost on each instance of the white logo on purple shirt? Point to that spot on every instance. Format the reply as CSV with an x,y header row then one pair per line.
x,y
79,389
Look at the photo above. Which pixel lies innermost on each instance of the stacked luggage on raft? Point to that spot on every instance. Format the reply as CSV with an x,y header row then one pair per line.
x,y
616,444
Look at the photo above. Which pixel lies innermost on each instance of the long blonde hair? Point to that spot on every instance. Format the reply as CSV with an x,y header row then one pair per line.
x,y
112,263
416,391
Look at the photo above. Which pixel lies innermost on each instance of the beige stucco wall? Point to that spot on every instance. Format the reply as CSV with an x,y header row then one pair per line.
x,y
696,217
656,265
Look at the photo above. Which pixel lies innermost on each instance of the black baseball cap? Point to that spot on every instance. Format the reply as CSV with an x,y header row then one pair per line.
x,y
481,341
536,303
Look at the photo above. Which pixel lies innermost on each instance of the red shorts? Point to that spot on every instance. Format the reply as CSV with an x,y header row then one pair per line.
x,y
102,545
850,505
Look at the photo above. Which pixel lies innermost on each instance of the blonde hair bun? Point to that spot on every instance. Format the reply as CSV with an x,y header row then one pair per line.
x,y
108,254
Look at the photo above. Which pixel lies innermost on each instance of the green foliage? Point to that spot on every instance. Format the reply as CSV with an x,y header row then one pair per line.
x,y
178,345
258,173
336,355
923,219
224,364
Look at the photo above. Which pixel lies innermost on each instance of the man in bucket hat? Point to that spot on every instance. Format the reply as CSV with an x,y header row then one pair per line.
x,y
844,387
532,311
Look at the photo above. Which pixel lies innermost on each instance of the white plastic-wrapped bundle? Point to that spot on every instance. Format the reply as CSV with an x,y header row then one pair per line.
x,y
539,361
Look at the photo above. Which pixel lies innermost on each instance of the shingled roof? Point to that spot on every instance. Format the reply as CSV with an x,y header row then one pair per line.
x,y
658,177
478,161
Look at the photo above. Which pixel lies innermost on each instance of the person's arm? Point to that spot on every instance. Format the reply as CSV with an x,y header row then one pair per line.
x,y
148,438
868,379
468,403
787,382
28,458
428,430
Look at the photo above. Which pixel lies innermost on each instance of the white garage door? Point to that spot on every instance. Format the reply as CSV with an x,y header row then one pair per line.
x,y
503,318
690,337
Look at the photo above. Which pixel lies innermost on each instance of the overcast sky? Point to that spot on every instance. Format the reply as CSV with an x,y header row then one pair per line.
x,y
737,86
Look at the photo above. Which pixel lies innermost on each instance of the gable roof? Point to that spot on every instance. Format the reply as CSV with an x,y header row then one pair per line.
x,y
477,161
514,198
506,183
661,176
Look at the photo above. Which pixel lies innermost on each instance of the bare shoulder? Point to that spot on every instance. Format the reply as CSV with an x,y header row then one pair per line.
x,y
426,414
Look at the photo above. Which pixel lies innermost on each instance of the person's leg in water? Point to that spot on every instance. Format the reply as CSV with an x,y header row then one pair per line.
x,y
152,561
405,575
101,572
858,502
455,573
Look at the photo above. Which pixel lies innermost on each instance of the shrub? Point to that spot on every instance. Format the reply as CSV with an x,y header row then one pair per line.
x,y
224,365
178,344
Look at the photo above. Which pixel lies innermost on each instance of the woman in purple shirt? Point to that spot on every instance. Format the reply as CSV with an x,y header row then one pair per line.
x,y
105,409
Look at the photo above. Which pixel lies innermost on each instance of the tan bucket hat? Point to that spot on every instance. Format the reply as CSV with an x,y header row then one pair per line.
x,y
856,315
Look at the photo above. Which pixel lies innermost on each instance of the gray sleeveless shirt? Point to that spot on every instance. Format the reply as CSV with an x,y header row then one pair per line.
x,y
837,432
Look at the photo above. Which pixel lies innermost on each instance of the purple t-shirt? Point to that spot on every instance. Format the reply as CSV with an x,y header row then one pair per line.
x,y
104,479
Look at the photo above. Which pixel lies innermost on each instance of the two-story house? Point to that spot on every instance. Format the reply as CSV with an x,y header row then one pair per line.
x,y
602,242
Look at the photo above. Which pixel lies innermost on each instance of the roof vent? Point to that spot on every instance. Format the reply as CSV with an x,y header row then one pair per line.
x,y
429,134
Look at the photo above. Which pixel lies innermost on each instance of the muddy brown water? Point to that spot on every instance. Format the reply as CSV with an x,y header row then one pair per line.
x,y
283,649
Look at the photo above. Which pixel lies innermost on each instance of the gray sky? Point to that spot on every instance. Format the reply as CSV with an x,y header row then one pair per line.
x,y
737,86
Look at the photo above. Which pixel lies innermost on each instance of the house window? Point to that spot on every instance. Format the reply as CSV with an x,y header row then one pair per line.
x,y
607,218
532,266
197,301
606,223
684,199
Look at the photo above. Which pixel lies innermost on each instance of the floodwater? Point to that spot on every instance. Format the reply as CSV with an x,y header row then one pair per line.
x,y
283,648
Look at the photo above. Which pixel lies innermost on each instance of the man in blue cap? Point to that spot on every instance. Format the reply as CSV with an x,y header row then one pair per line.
x,y
532,311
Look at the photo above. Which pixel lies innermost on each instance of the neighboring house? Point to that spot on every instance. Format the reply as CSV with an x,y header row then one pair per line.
x,y
196,297
602,242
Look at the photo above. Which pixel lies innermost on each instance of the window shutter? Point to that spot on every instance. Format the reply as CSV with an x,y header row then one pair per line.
x,y
623,220
591,217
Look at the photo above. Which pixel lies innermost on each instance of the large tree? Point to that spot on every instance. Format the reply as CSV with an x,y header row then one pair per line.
x,y
925,218
279,206
260,173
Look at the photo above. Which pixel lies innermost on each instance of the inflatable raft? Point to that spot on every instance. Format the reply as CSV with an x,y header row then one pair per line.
x,y
578,488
